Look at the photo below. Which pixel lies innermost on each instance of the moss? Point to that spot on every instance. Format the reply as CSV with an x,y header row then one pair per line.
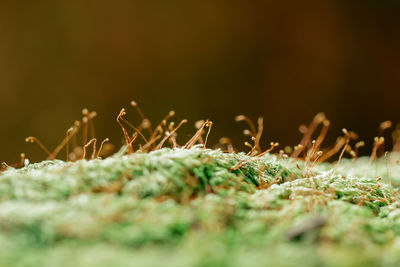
x,y
188,208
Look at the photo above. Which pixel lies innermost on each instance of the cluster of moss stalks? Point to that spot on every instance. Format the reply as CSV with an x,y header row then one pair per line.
x,y
187,207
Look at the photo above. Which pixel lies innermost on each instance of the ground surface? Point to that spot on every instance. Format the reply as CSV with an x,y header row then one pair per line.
x,y
188,208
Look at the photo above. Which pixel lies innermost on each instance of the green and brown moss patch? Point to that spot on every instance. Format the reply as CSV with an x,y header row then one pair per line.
x,y
188,207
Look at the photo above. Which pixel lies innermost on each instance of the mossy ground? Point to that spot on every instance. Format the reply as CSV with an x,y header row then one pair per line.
x,y
186,207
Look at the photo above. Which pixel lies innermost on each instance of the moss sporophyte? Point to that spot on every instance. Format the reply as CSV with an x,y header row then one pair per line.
x,y
158,202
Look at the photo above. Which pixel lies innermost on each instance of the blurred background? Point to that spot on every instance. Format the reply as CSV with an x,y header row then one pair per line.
x,y
283,60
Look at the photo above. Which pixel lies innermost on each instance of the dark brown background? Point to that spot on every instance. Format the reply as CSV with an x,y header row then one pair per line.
x,y
284,60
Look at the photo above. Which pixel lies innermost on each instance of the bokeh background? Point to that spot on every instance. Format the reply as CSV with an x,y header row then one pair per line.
x,y
283,60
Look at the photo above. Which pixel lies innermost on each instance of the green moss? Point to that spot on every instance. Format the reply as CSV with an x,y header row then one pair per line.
x,y
188,208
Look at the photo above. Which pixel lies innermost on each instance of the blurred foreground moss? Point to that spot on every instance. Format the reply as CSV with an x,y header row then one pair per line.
x,y
186,207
